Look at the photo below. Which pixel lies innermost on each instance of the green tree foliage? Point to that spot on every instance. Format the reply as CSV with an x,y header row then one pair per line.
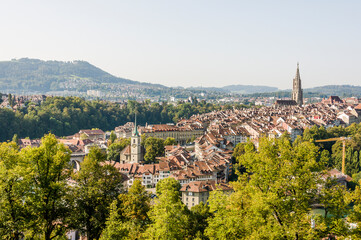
x,y
228,221
241,149
96,186
335,200
116,147
355,214
48,172
170,217
238,151
167,184
154,147
170,141
13,192
67,115
198,221
273,198
15,139
315,133
353,145
129,214
112,137
11,100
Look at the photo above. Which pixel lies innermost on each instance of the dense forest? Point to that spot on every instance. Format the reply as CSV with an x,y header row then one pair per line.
x,y
64,116
282,193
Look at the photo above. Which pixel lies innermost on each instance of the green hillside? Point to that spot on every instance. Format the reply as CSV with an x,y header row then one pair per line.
x,y
338,90
43,76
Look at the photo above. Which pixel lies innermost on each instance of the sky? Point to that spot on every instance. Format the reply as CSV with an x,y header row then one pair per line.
x,y
187,43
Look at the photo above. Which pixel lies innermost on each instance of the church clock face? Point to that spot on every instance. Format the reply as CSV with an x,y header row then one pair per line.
x,y
134,145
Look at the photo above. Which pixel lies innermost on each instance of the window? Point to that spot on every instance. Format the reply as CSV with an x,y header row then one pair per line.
x,y
192,199
190,194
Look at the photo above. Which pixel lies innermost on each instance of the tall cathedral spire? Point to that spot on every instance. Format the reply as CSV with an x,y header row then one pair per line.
x,y
297,92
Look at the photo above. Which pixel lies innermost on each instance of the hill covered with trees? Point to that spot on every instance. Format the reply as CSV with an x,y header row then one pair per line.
x,y
338,90
34,75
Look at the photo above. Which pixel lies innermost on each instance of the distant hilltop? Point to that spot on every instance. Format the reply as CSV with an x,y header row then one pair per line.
x,y
240,89
80,78
34,75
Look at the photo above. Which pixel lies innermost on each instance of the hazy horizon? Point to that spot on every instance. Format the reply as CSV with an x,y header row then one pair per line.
x,y
193,43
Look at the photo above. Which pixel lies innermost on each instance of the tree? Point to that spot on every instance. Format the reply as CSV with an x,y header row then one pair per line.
x,y
15,139
129,214
48,173
97,185
11,100
116,147
165,184
241,148
335,199
230,213
273,198
170,217
14,189
154,147
170,141
315,133
198,221
355,214
112,137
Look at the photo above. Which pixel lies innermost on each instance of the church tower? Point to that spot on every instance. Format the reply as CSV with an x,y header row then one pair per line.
x,y
297,92
135,147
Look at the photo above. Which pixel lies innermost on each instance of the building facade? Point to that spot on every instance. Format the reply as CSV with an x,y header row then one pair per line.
x,y
180,134
135,147
196,192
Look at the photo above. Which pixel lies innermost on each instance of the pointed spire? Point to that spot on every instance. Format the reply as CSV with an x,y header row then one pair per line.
x,y
298,71
135,131
297,93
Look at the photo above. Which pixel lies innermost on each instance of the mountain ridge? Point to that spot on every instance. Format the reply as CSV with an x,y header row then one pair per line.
x,y
39,76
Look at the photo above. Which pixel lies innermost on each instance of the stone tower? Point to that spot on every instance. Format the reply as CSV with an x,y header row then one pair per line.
x,y
135,147
297,92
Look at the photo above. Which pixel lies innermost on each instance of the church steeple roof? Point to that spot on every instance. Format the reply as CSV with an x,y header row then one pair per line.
x,y
297,93
135,131
297,77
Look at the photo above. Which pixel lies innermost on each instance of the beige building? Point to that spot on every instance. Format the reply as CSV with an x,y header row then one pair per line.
x,y
180,134
194,193
92,134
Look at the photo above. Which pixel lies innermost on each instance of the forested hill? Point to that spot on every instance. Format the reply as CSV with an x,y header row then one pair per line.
x,y
338,90
33,75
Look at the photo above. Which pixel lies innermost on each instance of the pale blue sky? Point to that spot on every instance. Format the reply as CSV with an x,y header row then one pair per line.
x,y
193,42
